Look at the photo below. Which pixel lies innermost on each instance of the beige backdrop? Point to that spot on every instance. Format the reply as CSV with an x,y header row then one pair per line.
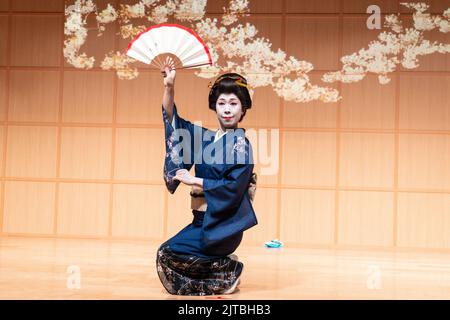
x,y
82,152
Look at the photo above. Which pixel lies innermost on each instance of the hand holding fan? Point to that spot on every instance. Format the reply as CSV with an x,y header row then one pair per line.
x,y
154,45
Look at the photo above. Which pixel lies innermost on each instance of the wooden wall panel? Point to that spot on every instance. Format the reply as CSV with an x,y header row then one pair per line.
x,y
139,154
38,6
4,30
3,94
365,218
30,99
29,207
36,40
136,103
86,153
360,6
368,104
31,152
423,220
424,102
424,162
138,211
360,151
88,97
324,6
305,30
314,114
2,147
308,158
4,5
307,216
83,209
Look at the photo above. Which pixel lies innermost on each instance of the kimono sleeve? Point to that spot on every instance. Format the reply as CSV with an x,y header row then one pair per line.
x,y
180,135
229,210
226,194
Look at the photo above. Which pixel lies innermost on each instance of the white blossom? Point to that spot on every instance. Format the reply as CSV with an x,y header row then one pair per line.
x,y
120,62
262,65
402,46
108,15
76,32
392,22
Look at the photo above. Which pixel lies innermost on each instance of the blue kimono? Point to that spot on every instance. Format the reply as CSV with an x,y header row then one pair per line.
x,y
226,167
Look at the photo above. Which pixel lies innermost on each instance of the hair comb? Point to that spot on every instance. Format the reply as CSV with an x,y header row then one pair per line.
x,y
237,79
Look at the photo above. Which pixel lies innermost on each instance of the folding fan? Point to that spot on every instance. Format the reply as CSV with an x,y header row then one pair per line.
x,y
179,42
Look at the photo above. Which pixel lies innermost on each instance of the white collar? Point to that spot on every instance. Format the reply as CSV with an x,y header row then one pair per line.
x,y
217,137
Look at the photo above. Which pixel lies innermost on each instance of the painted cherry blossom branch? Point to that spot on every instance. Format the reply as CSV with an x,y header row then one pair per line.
x,y
399,45
260,64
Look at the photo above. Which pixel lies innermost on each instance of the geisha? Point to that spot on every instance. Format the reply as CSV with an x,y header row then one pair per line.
x,y
198,260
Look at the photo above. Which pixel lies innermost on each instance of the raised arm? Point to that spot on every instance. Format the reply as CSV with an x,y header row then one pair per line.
x,y
169,74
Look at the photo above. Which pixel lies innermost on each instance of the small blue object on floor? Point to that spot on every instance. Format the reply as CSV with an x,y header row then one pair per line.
x,y
273,244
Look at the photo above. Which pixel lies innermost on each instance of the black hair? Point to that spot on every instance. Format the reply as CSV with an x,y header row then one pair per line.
x,y
230,83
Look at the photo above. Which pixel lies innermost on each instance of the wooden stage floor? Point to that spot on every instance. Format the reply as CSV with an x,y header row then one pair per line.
x,y
37,268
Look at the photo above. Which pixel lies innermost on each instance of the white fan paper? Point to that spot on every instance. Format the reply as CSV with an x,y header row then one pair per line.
x,y
166,38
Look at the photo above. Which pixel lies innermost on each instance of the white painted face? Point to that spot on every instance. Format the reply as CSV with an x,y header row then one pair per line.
x,y
229,110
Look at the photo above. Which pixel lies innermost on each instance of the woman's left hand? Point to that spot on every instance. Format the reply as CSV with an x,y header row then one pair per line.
x,y
184,176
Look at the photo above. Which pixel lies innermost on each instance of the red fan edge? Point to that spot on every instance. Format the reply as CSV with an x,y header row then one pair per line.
x,y
177,26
